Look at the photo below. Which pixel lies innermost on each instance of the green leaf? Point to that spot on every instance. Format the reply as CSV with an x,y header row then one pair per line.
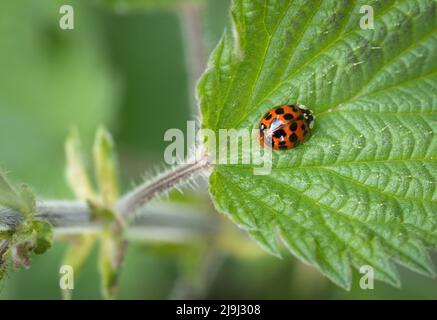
x,y
5,235
112,249
44,236
22,201
9,196
76,172
362,189
28,200
76,255
102,205
105,162
20,233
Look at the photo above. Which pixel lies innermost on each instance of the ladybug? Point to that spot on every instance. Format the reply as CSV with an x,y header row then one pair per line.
x,y
284,127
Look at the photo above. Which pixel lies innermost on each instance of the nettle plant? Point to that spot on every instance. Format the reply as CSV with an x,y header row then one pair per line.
x,y
360,191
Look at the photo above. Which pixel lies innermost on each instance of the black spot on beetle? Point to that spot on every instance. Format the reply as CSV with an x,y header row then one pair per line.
x,y
279,133
288,116
279,111
293,137
303,127
293,126
283,147
268,116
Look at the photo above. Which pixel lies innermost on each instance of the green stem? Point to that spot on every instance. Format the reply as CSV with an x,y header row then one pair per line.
x,y
134,200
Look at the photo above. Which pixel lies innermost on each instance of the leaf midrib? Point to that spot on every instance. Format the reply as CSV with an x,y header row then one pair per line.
x,y
353,181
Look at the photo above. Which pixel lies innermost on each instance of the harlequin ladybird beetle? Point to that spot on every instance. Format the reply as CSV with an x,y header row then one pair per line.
x,y
284,127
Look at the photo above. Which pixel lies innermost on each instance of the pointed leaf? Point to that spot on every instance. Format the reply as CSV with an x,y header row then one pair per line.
x,y
362,189
76,172
8,196
28,200
111,256
105,162
77,253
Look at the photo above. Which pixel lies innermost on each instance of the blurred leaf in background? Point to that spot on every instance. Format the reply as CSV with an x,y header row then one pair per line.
x,y
50,78
112,69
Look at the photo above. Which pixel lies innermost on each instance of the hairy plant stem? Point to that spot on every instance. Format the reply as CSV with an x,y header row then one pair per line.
x,y
134,200
156,223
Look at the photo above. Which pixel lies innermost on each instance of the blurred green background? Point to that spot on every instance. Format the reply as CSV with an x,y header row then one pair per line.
x,y
128,70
